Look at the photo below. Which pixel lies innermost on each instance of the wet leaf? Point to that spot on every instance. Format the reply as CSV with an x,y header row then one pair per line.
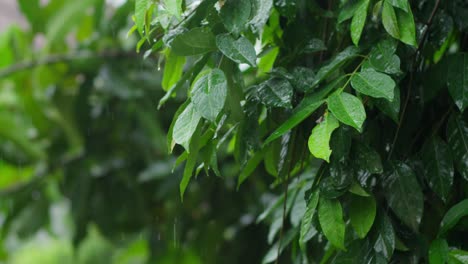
x,y
453,215
194,42
185,126
319,140
373,83
331,220
362,212
240,50
457,135
276,92
348,109
209,94
235,15
457,79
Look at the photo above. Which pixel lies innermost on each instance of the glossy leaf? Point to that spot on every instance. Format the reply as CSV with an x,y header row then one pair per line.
x,y
457,135
185,126
383,58
399,24
359,21
235,15
457,79
438,167
404,194
385,240
209,94
453,215
261,10
438,251
276,92
374,84
173,70
306,223
348,109
194,42
140,12
240,50
330,216
319,140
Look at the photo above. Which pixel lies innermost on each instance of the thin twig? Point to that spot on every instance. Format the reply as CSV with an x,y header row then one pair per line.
x,y
63,58
408,93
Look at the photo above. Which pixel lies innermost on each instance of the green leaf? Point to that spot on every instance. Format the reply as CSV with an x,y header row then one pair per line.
x,y
267,61
235,15
173,70
389,20
57,27
336,62
457,135
457,79
209,93
240,50
362,212
366,159
319,140
399,24
403,4
457,256
261,10
185,126
194,42
359,21
173,7
276,92
438,251
391,109
306,223
140,14
385,240
404,194
374,84
331,220
348,10
438,167
383,57
307,106
451,218
348,109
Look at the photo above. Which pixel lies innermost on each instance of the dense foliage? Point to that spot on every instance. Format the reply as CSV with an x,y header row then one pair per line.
x,y
301,131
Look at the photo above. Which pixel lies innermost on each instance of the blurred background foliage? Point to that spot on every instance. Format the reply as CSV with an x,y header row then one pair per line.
x,y
84,171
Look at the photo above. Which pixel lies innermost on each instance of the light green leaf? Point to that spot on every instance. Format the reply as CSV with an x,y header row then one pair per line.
x,y
438,167
331,220
359,21
209,93
373,83
319,140
140,14
267,61
306,223
438,251
452,217
194,42
235,15
173,70
240,50
362,212
348,109
185,126
404,195
307,106
457,79
399,24
174,7
457,135
389,20
458,256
